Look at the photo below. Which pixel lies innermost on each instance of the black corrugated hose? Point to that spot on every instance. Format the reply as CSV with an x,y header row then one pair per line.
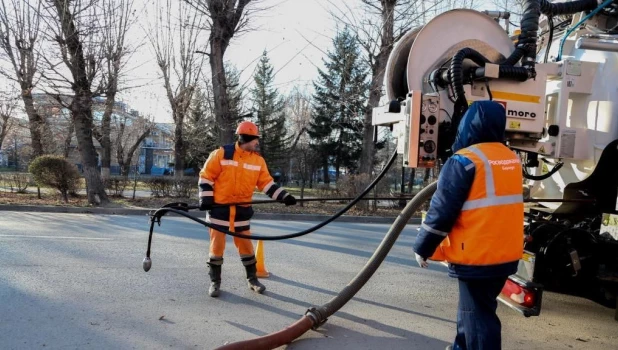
x,y
457,71
567,8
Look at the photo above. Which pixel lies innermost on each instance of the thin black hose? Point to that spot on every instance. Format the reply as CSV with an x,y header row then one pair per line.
x,y
156,216
550,21
544,176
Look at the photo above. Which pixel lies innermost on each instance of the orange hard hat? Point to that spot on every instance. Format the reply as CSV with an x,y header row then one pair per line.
x,y
247,128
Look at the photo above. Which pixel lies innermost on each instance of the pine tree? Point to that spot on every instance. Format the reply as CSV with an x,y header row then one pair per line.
x,y
339,104
268,110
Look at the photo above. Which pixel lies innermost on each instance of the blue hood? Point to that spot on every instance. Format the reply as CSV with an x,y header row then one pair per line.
x,y
484,121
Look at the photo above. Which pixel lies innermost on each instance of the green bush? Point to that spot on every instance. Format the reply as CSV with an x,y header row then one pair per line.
x,y
185,187
55,172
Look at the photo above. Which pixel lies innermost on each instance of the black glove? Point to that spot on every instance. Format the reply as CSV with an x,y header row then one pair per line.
x,y
205,205
289,200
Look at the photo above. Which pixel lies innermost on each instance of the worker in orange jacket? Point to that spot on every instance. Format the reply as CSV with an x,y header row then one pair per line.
x,y
230,175
476,223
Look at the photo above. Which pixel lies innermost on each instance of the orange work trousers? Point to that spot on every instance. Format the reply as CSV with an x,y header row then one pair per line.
x,y
217,244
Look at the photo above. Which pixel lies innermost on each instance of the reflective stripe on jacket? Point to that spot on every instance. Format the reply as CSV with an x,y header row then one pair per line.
x,y
489,229
233,181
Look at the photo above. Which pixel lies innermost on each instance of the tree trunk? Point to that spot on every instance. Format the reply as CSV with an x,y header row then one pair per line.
x,y
411,180
81,105
106,142
81,109
219,85
387,40
35,122
368,150
325,172
179,146
302,192
67,140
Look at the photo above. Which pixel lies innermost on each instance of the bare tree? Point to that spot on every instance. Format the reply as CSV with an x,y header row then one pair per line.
x,y
307,160
20,27
298,108
8,105
175,41
515,7
131,132
58,132
226,18
74,28
115,21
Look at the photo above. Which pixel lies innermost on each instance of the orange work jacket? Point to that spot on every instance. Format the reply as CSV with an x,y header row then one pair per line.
x,y
225,179
489,229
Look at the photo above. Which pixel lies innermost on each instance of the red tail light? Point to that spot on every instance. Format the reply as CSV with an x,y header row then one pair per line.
x,y
518,294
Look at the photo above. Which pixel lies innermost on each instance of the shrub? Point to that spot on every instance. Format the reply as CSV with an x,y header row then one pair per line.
x,y
19,182
325,191
160,186
115,185
353,185
185,187
15,182
56,172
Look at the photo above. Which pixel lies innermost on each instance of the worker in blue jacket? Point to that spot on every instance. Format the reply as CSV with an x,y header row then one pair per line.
x,y
475,222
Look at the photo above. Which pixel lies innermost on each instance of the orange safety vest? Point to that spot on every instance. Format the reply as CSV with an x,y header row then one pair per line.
x,y
489,229
234,180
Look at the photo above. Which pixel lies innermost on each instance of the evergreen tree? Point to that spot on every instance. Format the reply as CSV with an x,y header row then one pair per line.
x,y
339,103
268,110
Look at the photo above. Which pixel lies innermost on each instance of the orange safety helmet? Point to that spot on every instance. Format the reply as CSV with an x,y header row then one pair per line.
x,y
247,128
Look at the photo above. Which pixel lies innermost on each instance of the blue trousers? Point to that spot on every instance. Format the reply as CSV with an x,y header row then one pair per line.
x,y
478,326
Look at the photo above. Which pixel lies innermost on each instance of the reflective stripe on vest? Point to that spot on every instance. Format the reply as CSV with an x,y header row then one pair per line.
x,y
489,229
490,188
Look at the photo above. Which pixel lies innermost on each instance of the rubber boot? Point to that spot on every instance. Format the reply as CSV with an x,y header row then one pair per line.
x,y
252,280
215,280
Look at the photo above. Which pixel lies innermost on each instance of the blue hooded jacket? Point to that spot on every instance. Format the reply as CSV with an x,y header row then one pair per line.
x,y
484,121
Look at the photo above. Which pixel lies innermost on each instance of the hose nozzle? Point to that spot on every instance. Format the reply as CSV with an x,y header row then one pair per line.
x,y
147,264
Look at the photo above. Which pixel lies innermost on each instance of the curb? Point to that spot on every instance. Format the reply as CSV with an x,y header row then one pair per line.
x,y
256,216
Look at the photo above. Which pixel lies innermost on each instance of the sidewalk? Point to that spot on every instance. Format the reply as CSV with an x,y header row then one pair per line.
x,y
195,213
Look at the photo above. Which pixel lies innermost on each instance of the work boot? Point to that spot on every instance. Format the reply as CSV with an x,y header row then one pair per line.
x,y
252,280
215,280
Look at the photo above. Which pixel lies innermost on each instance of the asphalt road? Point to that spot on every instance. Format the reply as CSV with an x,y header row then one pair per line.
x,y
75,281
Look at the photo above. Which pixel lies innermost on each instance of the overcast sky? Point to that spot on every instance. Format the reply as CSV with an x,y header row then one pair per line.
x,y
296,34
